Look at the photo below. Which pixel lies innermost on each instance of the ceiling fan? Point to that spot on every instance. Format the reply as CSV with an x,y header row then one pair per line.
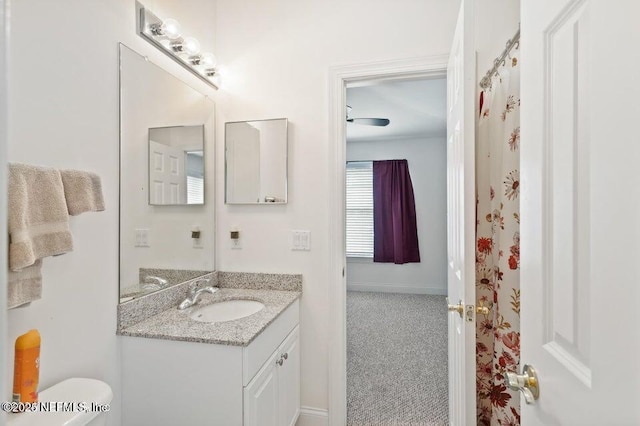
x,y
381,122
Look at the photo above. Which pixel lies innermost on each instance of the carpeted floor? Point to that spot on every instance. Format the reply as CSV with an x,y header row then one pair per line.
x,y
396,360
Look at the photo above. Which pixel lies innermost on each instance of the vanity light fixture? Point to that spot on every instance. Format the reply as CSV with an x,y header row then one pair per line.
x,y
167,36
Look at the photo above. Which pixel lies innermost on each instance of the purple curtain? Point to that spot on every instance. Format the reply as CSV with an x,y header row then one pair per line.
x,y
395,234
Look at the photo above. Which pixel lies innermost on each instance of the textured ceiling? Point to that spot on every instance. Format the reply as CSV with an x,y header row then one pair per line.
x,y
415,108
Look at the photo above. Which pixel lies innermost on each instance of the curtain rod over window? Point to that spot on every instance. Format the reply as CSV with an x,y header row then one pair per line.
x,y
515,41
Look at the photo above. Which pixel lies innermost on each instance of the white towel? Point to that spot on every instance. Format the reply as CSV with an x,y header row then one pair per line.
x,y
38,217
25,286
83,191
38,225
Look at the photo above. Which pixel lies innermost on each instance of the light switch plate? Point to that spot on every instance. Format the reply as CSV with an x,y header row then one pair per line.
x,y
300,240
142,238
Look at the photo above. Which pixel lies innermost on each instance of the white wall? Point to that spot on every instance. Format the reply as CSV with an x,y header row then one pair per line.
x,y
427,158
496,22
63,112
278,54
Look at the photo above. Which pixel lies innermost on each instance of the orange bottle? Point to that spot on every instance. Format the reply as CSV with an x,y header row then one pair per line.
x,y
26,367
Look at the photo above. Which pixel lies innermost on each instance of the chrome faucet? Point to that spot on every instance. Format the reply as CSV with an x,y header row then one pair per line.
x,y
194,293
150,279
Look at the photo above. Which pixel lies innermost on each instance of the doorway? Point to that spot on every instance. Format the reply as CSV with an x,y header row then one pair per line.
x,y
396,308
340,79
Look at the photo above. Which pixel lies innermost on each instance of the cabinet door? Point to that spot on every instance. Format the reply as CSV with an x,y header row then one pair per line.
x,y
261,396
289,379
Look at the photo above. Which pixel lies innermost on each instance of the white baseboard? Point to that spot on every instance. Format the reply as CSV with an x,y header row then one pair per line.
x,y
310,416
394,288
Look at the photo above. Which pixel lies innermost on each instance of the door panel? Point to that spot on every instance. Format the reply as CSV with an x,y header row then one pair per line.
x,y
167,174
261,398
289,380
580,228
461,216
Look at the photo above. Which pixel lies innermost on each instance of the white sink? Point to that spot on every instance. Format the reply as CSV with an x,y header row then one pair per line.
x,y
226,311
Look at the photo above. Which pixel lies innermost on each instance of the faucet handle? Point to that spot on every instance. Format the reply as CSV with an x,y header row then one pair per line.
x,y
193,287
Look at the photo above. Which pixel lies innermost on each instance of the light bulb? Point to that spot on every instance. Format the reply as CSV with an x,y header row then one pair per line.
x,y
208,60
171,29
191,46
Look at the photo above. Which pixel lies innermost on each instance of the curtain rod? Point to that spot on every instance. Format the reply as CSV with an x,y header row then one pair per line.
x,y
486,80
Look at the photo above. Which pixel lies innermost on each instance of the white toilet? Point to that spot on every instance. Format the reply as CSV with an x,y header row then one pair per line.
x,y
70,390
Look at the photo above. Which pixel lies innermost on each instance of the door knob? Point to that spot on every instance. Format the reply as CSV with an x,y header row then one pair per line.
x,y
527,383
459,308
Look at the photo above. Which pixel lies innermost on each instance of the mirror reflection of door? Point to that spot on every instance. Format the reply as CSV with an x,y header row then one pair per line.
x,y
243,164
256,161
176,165
166,174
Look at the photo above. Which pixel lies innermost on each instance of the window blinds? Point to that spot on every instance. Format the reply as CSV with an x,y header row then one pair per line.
x,y
195,190
359,191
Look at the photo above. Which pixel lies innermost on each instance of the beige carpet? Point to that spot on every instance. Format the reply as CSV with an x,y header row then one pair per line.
x,y
396,360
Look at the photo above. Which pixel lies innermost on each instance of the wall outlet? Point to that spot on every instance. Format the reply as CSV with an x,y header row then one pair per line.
x,y
197,243
234,238
301,240
196,236
141,238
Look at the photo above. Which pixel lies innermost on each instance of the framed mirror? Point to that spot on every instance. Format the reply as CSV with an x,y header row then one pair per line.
x,y
167,211
256,162
176,165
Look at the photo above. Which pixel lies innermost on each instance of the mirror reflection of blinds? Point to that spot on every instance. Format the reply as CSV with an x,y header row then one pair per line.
x,y
359,194
195,190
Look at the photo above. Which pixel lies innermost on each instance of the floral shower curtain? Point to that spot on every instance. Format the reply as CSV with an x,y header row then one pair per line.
x,y
498,246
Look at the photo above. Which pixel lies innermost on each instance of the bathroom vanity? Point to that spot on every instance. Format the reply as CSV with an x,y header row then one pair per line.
x,y
177,370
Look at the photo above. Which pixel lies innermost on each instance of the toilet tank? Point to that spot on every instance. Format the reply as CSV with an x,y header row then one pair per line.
x,y
87,400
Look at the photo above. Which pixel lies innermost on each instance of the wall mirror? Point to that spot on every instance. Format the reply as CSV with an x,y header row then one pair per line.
x,y
176,165
166,179
256,162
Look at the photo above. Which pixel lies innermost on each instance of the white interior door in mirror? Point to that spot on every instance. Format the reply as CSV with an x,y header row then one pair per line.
x,y
167,177
243,164
176,165
256,162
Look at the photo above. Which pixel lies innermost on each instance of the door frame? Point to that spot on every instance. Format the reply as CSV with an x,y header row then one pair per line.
x,y
4,47
339,77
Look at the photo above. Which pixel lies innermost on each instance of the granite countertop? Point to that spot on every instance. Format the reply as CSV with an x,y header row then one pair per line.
x,y
174,324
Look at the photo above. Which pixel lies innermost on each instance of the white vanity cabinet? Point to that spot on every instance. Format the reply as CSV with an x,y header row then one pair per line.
x,y
272,398
169,382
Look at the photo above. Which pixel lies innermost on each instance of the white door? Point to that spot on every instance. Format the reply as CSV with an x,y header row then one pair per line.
x,y
243,164
289,379
167,174
580,210
261,406
461,82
